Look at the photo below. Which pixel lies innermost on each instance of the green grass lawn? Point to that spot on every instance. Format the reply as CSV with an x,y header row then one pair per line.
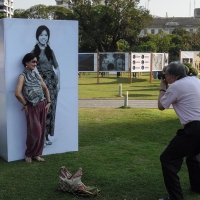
x,y
108,86
119,153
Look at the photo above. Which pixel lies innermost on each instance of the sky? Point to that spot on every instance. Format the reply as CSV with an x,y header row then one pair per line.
x,y
161,8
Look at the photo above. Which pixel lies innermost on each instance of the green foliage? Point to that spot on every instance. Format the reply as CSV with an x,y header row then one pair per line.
x,y
180,32
44,12
145,47
193,72
195,40
190,70
123,46
2,16
187,69
106,25
19,13
115,27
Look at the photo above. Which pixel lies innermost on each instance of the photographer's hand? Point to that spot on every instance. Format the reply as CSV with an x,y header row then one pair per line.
x,y
163,84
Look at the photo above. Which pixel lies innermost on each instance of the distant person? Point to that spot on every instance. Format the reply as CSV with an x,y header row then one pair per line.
x,y
33,93
184,94
46,66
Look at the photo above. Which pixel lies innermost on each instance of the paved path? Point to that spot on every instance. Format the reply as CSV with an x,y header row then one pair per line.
x,y
91,103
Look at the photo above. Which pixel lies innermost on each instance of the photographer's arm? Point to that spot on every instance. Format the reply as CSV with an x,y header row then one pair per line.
x,y
161,94
163,88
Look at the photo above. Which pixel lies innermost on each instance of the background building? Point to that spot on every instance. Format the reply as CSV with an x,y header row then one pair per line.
x,y
6,7
67,5
168,24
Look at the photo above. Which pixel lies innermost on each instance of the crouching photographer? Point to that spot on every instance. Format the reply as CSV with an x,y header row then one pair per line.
x,y
183,93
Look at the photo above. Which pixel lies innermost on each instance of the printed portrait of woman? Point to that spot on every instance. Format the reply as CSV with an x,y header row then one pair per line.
x,y
48,68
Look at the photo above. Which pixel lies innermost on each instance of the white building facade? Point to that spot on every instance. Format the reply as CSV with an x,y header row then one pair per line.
x,y
168,24
6,8
66,4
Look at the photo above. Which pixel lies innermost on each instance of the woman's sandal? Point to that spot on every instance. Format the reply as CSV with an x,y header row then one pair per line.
x,y
48,142
38,158
28,159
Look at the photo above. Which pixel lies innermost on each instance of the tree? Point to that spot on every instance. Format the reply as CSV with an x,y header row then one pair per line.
x,y
190,70
101,27
104,26
2,16
44,12
18,13
148,46
195,40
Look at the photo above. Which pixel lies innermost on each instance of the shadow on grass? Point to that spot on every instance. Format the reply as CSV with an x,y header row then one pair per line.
x,y
141,95
115,81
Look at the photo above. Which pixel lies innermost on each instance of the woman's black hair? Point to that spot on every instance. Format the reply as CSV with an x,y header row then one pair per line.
x,y
37,50
27,58
40,29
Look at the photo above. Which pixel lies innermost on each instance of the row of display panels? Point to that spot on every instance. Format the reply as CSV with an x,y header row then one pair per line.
x,y
116,62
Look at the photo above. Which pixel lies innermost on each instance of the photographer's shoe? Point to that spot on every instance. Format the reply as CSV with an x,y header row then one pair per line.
x,y
195,190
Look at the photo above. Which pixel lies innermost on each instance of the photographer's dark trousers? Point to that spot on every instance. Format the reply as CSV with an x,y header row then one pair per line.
x,y
185,144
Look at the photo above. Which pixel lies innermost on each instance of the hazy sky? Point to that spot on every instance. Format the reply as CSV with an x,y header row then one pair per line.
x,y
176,8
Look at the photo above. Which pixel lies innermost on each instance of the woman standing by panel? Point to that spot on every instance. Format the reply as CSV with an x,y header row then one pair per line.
x,y
33,93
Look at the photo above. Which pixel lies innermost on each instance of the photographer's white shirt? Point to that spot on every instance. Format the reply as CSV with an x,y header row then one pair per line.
x,y
184,95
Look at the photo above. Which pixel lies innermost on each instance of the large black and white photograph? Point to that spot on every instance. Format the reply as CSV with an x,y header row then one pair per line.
x,y
113,61
48,68
158,61
54,45
87,62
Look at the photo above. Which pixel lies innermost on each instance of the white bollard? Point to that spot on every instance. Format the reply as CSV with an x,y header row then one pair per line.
x,y
126,99
120,90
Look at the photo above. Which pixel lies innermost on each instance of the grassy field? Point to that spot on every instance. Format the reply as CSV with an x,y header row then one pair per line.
x,y
108,87
118,151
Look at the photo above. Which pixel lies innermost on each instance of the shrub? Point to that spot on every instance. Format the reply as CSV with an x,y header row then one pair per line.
x,y
190,70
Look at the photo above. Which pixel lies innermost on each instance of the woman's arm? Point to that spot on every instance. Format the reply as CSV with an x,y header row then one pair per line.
x,y
56,68
18,93
46,93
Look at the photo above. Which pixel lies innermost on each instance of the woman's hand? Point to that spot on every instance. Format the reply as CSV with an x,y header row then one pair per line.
x,y
47,107
26,109
58,86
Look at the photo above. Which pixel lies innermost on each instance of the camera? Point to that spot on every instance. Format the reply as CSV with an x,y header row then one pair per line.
x,y
161,75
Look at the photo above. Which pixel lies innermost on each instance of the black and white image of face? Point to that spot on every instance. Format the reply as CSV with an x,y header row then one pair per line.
x,y
43,38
